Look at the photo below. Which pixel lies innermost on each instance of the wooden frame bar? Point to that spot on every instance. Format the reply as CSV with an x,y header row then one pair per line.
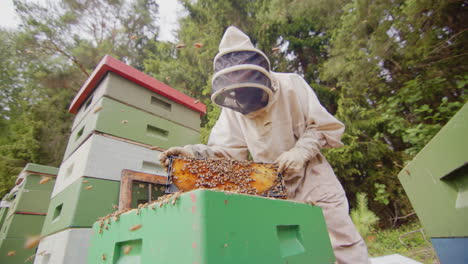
x,y
126,183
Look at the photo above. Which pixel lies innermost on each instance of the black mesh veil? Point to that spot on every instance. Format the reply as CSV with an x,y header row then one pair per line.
x,y
241,81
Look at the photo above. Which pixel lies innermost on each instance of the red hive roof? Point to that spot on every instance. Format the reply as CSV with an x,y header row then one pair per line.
x,y
108,63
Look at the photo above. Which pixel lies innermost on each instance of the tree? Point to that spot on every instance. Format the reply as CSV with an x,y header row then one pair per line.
x,y
83,31
60,44
400,70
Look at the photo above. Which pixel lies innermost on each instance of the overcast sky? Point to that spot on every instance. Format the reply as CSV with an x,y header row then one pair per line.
x,y
169,11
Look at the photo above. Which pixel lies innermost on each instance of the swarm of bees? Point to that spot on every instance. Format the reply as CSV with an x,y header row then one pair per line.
x,y
226,175
105,222
232,174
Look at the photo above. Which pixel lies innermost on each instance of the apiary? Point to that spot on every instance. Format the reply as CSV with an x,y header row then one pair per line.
x,y
211,226
436,182
124,118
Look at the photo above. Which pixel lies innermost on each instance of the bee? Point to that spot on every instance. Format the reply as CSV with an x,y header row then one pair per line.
x,y
103,257
135,227
89,187
32,242
29,258
127,249
97,109
45,180
176,197
11,253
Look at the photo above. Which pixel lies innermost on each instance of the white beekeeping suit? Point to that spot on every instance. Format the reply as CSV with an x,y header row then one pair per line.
x,y
278,118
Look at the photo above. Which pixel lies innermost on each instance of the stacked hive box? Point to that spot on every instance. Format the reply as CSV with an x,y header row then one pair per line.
x,y
123,119
436,182
206,226
4,206
28,203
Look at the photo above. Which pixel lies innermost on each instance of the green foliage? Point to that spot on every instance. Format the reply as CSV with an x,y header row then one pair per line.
x,y
363,218
407,240
400,69
381,195
37,126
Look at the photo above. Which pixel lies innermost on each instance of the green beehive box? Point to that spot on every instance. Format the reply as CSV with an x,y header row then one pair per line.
x,y
436,180
85,200
205,226
32,182
128,92
123,121
42,169
3,214
20,256
31,201
21,225
29,195
39,171
81,203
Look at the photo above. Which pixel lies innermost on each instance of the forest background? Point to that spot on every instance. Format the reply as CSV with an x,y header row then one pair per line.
x,y
393,71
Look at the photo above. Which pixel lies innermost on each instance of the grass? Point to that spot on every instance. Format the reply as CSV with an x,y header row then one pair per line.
x,y
408,240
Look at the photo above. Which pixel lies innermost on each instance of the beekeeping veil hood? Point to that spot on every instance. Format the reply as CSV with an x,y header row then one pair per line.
x,y
242,80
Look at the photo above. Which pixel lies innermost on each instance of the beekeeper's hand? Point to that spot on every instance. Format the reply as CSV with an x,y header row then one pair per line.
x,y
292,161
175,151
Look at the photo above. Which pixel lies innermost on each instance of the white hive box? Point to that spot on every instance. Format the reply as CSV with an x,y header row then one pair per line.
x,y
65,247
393,259
104,158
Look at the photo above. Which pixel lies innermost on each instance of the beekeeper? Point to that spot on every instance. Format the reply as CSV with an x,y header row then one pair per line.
x,y
278,118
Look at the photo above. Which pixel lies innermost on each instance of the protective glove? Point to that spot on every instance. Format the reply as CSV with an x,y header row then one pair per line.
x,y
198,151
175,151
293,160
